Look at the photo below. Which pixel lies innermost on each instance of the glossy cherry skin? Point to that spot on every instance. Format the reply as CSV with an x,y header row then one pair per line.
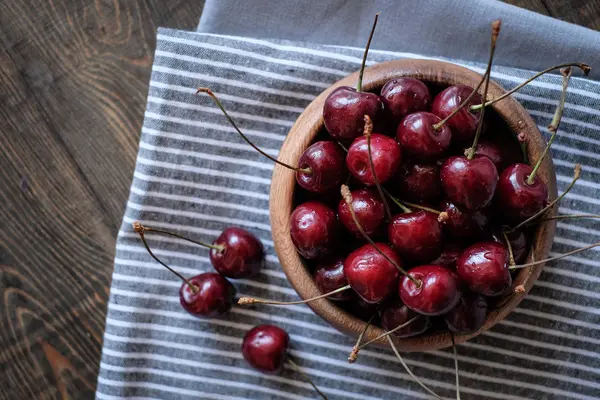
x,y
386,158
368,208
214,295
484,268
403,96
491,151
265,348
371,276
517,199
327,163
462,225
314,229
417,182
397,314
469,315
330,276
416,236
243,254
448,257
418,138
344,111
439,290
469,184
518,243
464,124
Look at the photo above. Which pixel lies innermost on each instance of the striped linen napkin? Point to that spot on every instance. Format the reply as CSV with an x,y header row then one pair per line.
x,y
194,175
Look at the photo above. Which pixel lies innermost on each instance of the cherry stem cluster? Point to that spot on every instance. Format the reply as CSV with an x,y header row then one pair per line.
x,y
354,354
395,350
488,72
553,127
368,130
570,253
584,67
255,147
252,300
347,196
366,53
386,334
139,229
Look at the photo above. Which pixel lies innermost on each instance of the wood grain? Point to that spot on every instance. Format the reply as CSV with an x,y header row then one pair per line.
x,y
580,12
74,78
310,123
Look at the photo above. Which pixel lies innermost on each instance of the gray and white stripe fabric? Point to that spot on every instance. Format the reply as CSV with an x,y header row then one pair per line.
x,y
194,175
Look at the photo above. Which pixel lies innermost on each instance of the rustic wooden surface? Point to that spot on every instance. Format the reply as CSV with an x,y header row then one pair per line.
x,y
73,82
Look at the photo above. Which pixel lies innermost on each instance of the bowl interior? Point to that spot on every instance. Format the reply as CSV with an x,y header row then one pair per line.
x,y
507,114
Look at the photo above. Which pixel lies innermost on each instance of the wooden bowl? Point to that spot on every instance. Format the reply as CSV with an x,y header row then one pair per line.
x,y
303,133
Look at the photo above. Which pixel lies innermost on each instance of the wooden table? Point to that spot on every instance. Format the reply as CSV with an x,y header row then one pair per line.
x,y
73,82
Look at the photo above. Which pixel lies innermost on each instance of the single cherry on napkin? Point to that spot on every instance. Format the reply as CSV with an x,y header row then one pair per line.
x,y
345,107
206,295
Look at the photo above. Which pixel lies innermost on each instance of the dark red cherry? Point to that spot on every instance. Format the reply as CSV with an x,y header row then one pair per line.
x,y
484,268
330,276
469,315
360,308
470,184
397,314
437,293
463,225
242,255
327,163
265,348
418,137
464,124
449,255
518,243
368,208
403,96
314,229
344,112
492,151
386,158
213,297
417,182
515,197
370,274
416,236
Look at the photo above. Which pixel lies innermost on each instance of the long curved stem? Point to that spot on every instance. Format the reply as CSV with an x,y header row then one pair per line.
x,y
570,216
210,246
367,132
251,300
366,53
139,229
347,196
495,32
455,365
396,201
393,346
584,67
576,175
553,127
385,334
354,354
570,253
305,376
511,257
255,147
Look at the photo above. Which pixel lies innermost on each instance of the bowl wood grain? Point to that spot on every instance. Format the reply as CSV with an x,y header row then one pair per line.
x,y
303,133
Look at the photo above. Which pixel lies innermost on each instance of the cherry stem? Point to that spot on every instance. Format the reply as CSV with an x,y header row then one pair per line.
x,y
354,354
393,346
305,376
584,67
488,72
364,60
553,127
576,175
570,253
139,229
386,334
421,207
367,132
511,257
217,247
455,365
397,202
252,300
570,216
218,102
347,196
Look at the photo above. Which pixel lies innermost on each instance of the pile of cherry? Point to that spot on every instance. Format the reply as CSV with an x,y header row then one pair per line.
x,y
413,210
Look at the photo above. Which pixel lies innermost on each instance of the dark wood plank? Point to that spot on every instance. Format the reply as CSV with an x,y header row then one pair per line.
x,y
581,12
74,78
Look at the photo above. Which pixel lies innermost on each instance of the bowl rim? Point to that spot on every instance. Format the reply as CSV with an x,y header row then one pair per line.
x,y
310,123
